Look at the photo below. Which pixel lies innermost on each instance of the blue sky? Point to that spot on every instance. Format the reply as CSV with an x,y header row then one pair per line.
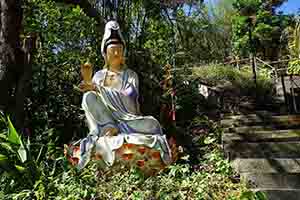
x,y
291,6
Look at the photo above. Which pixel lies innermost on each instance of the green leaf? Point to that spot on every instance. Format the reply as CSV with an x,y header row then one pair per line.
x,y
13,136
209,140
3,157
186,157
19,168
3,136
260,196
22,153
2,119
6,146
248,195
39,155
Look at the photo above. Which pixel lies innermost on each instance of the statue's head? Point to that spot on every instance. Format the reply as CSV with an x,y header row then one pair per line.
x,y
113,45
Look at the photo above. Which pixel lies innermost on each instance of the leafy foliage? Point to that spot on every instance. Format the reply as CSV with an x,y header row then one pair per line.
x,y
260,19
156,33
235,88
212,179
294,47
68,38
241,79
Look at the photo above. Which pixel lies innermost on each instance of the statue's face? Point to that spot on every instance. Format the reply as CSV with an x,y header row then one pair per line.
x,y
114,54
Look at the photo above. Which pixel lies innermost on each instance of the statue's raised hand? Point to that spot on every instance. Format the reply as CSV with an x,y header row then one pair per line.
x,y
86,71
84,87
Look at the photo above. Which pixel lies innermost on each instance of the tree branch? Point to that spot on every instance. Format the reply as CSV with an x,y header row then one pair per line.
x,y
173,25
87,8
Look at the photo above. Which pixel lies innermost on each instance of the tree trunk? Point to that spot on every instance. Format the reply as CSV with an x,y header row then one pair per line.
x,y
11,56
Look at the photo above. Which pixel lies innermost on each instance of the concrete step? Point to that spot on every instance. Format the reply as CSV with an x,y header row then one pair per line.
x,y
280,194
254,112
262,135
254,119
262,149
266,165
258,113
272,180
248,128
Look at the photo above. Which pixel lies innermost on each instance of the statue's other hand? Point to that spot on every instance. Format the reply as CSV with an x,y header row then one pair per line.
x,y
84,87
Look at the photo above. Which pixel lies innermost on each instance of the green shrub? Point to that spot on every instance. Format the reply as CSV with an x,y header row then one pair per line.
x,y
294,67
211,178
241,80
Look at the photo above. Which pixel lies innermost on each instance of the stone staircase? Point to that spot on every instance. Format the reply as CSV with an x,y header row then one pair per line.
x,y
264,149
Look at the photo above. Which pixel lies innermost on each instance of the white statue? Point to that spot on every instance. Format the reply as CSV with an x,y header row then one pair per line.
x,y
111,106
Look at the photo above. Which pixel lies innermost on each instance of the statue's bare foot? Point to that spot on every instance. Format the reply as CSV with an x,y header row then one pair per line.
x,y
111,131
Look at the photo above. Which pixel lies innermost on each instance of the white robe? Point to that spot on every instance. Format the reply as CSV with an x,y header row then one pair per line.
x,y
118,107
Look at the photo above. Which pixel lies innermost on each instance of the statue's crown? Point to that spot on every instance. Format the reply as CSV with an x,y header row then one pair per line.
x,y
112,35
113,25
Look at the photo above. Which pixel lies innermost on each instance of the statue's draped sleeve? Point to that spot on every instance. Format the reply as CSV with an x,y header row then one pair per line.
x,y
98,77
135,94
123,100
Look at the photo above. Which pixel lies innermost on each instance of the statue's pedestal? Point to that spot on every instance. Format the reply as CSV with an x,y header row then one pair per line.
x,y
149,153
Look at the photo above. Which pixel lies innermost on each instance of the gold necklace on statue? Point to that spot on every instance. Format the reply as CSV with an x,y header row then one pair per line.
x,y
112,77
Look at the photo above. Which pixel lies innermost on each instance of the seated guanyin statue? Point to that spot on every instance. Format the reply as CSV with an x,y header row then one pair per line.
x,y
117,128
